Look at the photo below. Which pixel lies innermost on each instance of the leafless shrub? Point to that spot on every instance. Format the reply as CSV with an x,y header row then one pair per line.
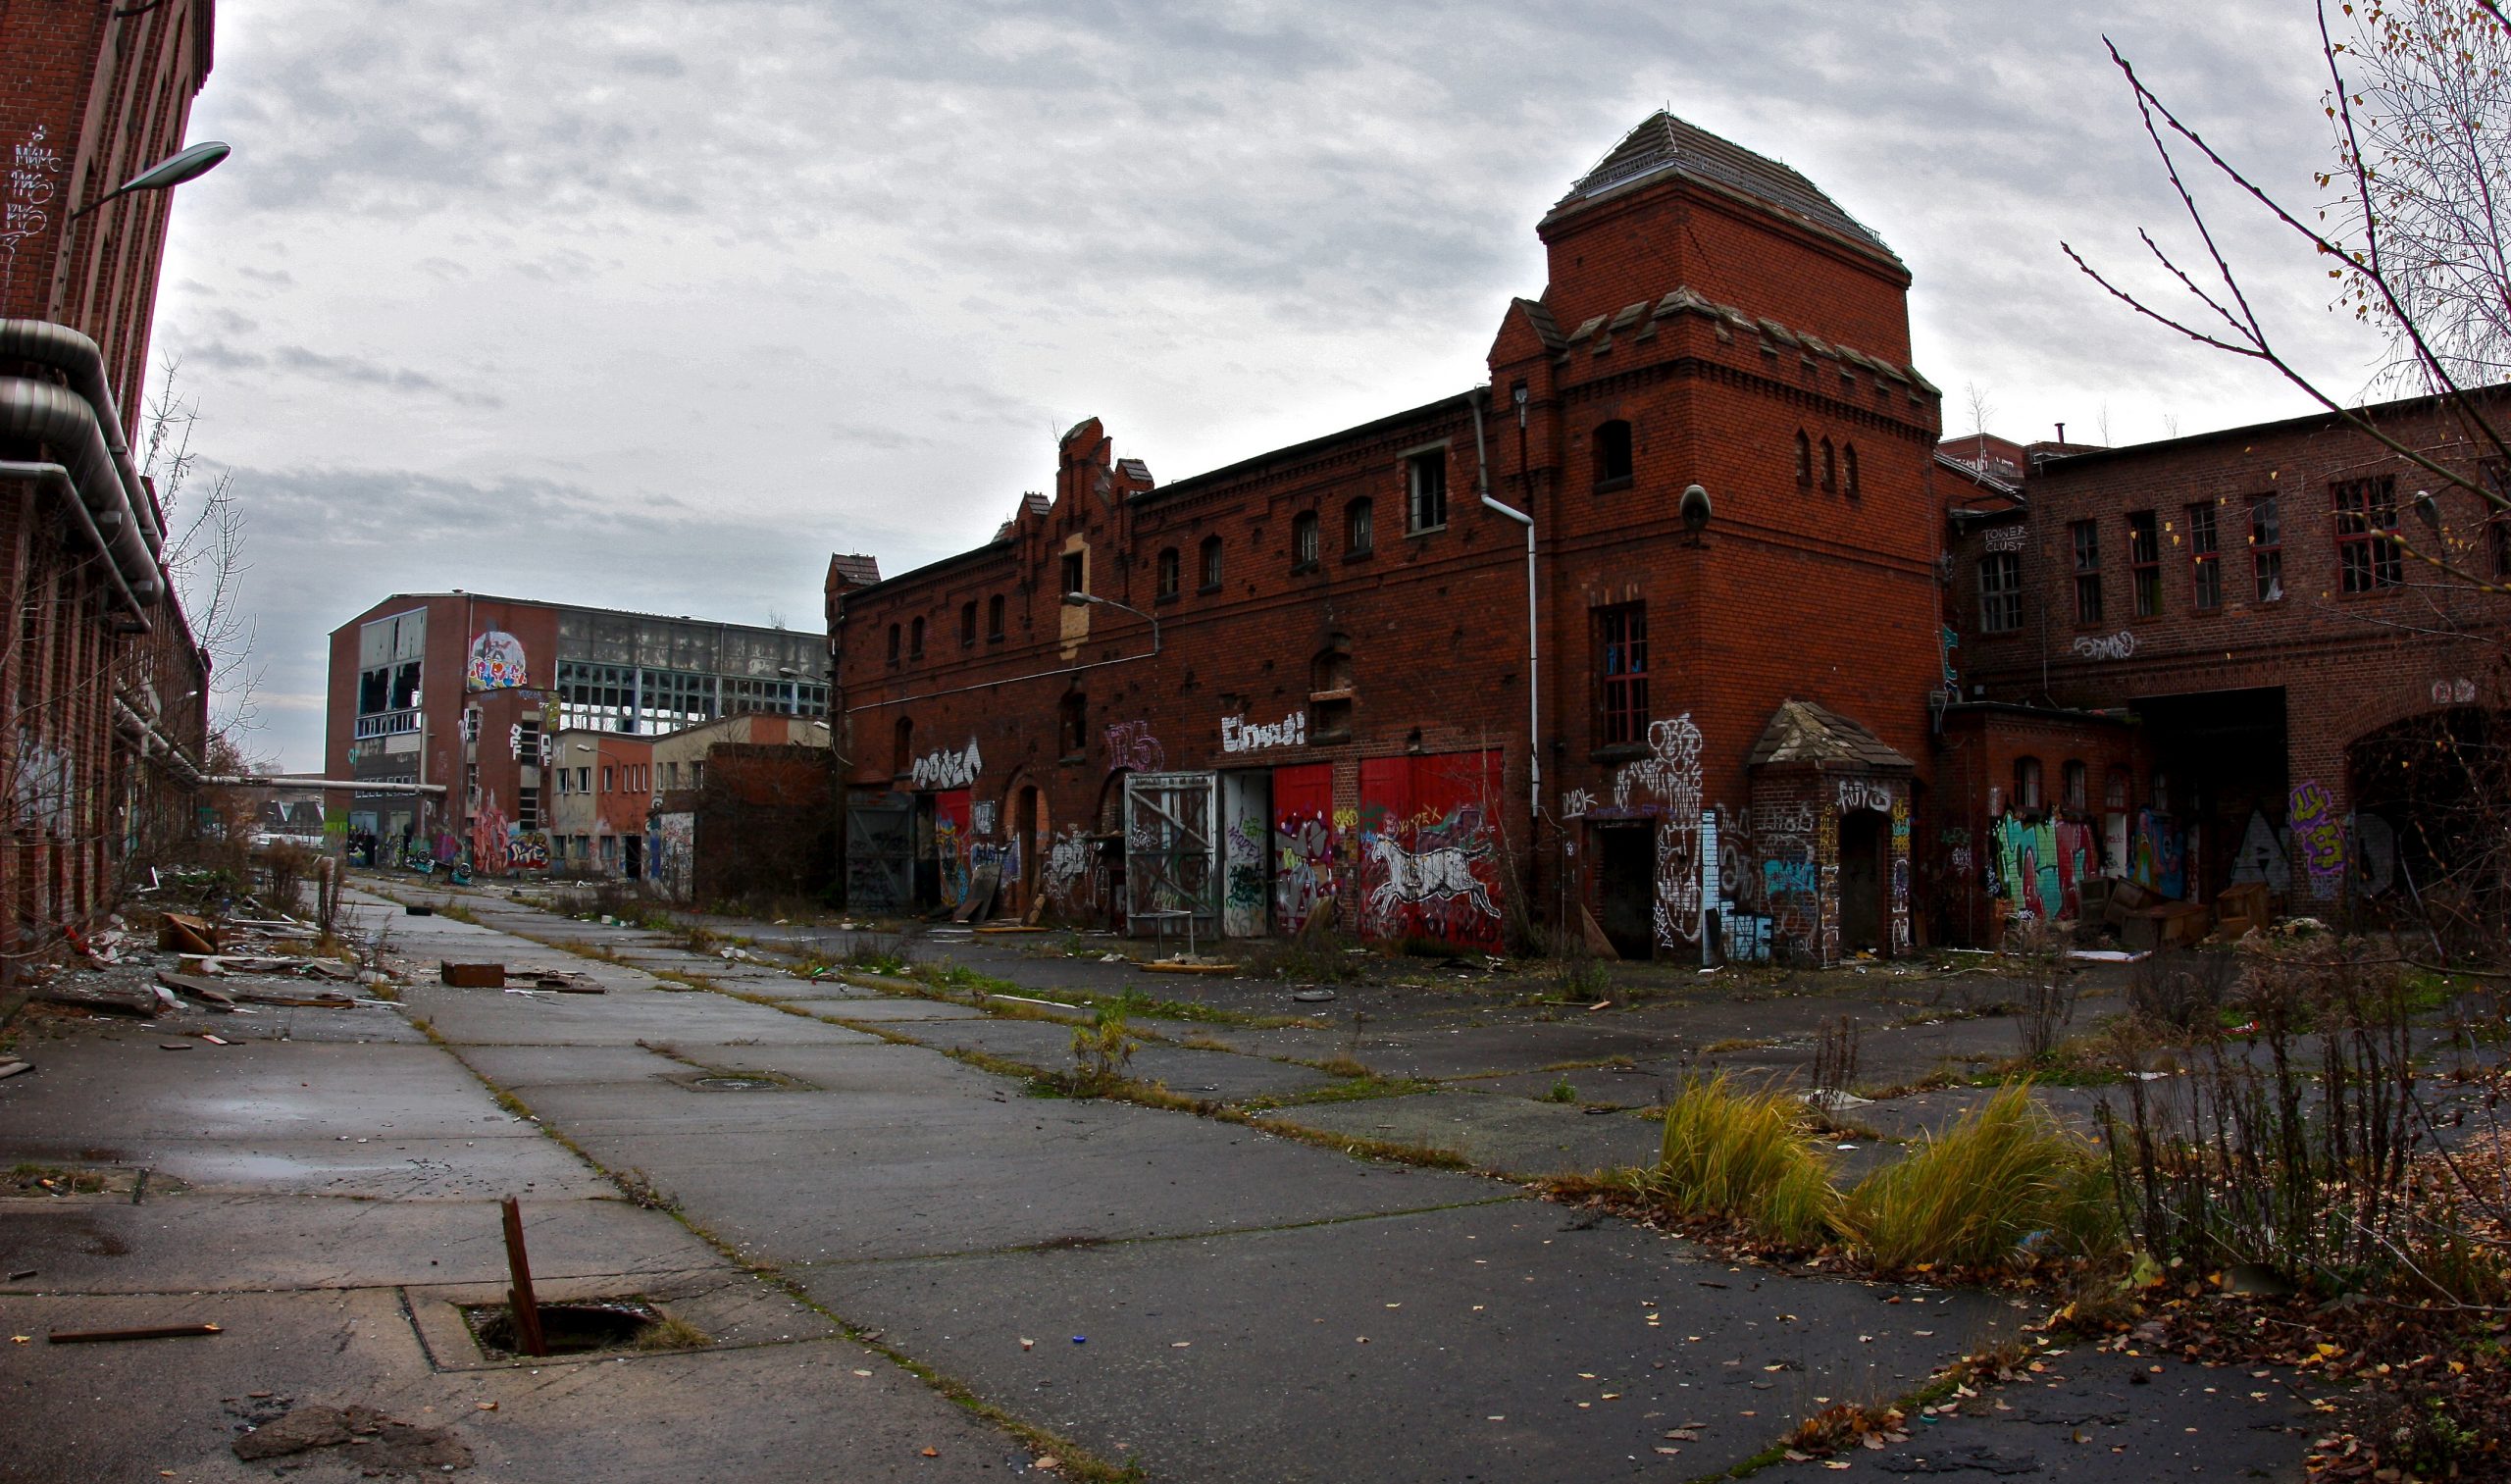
x,y
2180,995
2046,994
1836,1056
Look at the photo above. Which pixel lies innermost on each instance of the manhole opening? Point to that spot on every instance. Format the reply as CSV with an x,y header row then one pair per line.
x,y
577,1328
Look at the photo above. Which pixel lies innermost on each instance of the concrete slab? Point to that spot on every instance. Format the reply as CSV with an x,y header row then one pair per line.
x,y
1511,1136
484,1018
1501,1342
888,1007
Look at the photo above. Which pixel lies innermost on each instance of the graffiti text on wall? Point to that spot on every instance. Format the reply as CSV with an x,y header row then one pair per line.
x,y
1238,736
945,769
2118,645
1670,773
1131,746
2319,836
32,165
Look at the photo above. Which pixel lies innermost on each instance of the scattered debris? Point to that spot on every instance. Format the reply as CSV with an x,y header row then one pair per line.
x,y
1313,996
387,1444
473,976
197,988
9,1069
178,933
144,1332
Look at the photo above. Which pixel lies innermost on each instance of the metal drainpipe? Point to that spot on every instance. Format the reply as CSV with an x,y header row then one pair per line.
x,y
1534,672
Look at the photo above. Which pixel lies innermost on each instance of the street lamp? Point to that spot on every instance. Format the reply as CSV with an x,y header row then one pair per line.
x,y
1091,599
189,164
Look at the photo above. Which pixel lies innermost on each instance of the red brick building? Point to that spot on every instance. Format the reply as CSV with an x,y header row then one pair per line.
x,y
99,675
459,690
2202,662
1335,674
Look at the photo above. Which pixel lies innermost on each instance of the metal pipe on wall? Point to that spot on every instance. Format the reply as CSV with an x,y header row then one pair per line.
x,y
1534,682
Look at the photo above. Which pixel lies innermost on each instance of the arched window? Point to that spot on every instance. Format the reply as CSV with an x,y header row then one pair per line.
x,y
1074,728
2075,785
1360,533
994,616
903,744
1803,460
1211,563
968,624
1613,454
1848,460
915,640
1168,572
1303,540
1830,469
894,644
2026,783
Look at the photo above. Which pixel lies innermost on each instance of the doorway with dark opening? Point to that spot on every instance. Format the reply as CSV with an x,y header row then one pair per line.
x,y
1863,833
1626,886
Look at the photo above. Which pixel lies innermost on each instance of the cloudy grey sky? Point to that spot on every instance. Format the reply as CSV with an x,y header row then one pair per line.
x,y
655,304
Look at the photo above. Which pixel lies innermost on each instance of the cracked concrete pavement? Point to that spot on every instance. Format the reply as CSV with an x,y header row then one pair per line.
x,y
1203,1296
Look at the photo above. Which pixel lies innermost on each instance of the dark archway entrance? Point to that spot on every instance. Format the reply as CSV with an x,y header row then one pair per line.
x,y
1862,834
1626,886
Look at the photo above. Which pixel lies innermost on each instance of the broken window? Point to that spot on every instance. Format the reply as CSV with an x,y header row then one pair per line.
x,y
1612,455
2266,548
1168,578
1211,563
1303,540
1075,571
2076,779
2367,553
2086,539
2001,592
1075,728
2027,782
2144,562
1358,528
2205,560
1622,673
1425,485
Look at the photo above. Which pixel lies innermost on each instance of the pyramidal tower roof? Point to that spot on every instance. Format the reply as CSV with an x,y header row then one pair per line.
x,y
1666,145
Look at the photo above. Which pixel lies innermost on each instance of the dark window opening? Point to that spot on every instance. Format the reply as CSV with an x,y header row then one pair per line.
x,y
2001,592
2266,548
1612,455
2075,780
1425,485
1622,673
1074,728
915,640
1211,563
2027,782
894,644
2367,553
901,745
1360,533
1329,698
2144,562
1830,469
1303,540
1074,568
2205,560
1848,460
1803,460
2085,537
968,624
994,616
1168,572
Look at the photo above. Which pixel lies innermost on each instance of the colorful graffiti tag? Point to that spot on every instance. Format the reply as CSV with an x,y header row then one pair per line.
x,y
496,662
2319,837
1670,775
1132,747
945,769
1304,845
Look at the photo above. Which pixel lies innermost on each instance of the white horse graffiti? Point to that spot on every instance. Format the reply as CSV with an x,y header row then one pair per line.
x,y
1439,875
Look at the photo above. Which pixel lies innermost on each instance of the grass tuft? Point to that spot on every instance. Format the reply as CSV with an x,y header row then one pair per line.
x,y
1744,1157
2005,1180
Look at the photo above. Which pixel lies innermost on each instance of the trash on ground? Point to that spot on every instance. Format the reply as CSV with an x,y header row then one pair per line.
x,y
143,1332
472,976
388,1443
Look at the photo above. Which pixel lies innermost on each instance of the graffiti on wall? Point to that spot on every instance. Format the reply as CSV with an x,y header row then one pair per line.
x,y
2157,853
1238,735
34,164
2005,539
2118,645
1670,775
2454,692
1244,849
1575,803
950,845
2260,856
1131,746
675,839
1874,794
1900,902
2319,837
1069,871
1307,848
496,662
1429,859
943,768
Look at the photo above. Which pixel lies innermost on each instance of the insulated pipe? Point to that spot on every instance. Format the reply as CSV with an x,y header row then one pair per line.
x,y
1534,672
58,480
62,420
149,732
77,357
327,785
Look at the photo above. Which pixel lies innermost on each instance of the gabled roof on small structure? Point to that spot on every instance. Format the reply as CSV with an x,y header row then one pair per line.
x,y
1801,731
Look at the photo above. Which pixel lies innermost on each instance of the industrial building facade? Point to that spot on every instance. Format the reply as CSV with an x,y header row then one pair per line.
x,y
1637,641
2210,665
102,686
465,692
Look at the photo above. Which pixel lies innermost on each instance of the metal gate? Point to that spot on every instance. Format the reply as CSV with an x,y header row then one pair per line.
x,y
1170,874
880,851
